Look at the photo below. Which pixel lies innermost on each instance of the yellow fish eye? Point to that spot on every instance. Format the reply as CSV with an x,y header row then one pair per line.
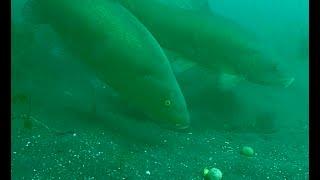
x,y
167,102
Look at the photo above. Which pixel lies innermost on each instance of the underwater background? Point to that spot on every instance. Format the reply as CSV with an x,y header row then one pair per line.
x,y
67,123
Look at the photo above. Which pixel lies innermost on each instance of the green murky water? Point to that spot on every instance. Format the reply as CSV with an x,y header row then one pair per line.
x,y
69,123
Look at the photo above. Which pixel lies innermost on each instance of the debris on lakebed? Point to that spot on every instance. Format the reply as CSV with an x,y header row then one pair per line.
x,y
39,153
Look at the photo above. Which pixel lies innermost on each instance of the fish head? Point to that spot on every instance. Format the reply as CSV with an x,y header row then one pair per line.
x,y
264,71
172,112
165,105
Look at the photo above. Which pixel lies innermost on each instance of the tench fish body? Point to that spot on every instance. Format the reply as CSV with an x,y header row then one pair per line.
x,y
211,40
114,44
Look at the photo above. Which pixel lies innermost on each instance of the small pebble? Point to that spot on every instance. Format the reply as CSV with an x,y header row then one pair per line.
x,y
247,151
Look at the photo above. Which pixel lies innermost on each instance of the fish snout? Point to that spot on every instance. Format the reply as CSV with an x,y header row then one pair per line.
x,y
180,123
183,122
182,126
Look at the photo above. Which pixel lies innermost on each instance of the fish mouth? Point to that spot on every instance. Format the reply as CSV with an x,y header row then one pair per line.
x,y
176,127
182,126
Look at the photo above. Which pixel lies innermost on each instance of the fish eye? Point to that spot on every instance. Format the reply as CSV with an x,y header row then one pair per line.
x,y
167,102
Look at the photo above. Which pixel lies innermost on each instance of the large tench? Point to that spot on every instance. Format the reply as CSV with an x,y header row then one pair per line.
x,y
122,52
211,40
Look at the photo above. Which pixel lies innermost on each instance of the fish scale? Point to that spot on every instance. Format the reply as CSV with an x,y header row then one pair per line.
x,y
107,38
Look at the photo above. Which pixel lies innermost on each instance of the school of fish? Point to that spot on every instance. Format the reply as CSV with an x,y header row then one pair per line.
x,y
127,45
